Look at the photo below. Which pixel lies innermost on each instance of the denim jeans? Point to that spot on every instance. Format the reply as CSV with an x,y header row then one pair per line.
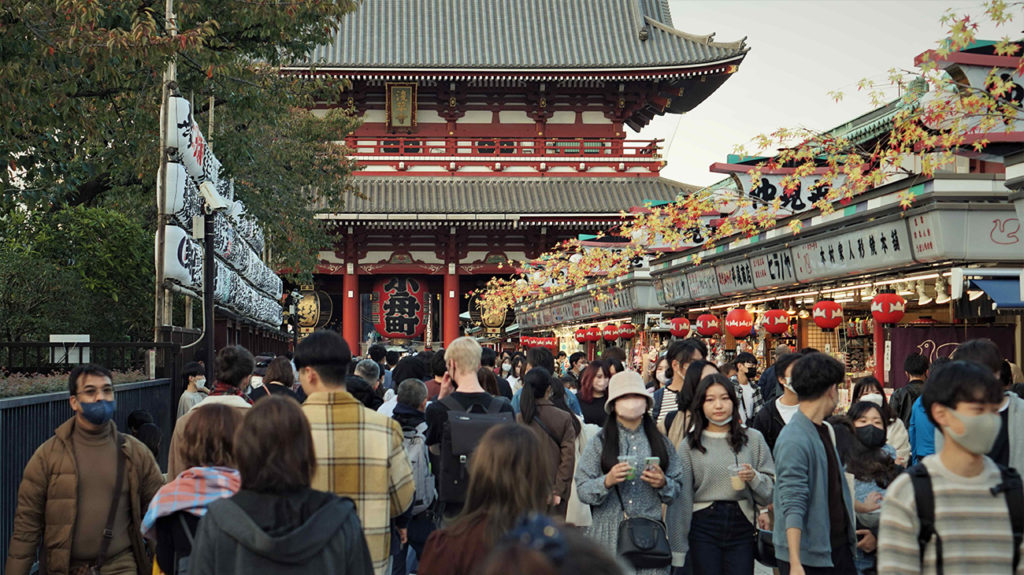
x,y
721,541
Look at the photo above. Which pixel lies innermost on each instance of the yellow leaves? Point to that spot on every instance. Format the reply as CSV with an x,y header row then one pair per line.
x,y
796,226
906,199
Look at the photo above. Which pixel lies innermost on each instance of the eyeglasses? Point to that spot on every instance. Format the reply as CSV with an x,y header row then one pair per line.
x,y
93,393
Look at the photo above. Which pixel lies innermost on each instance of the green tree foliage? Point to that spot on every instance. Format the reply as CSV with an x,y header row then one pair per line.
x,y
79,113
75,270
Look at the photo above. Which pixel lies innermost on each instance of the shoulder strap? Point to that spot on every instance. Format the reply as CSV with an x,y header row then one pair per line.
x,y
924,500
452,403
108,531
546,430
621,506
184,527
1014,489
495,405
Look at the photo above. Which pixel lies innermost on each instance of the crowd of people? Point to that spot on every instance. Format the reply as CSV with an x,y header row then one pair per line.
x,y
466,461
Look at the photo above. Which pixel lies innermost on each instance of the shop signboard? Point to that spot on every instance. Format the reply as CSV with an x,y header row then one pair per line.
x,y
734,277
672,288
876,247
773,269
702,283
967,235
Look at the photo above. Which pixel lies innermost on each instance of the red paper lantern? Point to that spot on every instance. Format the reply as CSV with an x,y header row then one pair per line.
x,y
827,314
680,326
708,325
400,307
776,321
610,332
888,308
526,341
739,322
593,333
627,331
581,335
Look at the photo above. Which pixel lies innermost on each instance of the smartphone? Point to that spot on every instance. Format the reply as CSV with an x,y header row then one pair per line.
x,y
651,462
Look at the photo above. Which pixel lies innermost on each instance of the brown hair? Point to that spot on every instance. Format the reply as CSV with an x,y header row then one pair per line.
x,y
508,478
274,447
488,380
209,436
280,371
582,555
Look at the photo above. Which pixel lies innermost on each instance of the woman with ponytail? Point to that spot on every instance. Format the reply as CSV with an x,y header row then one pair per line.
x,y
555,428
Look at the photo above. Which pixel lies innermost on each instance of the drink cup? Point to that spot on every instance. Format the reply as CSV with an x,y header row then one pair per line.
x,y
632,466
737,483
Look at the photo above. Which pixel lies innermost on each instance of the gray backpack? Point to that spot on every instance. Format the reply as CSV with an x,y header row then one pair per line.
x,y
415,444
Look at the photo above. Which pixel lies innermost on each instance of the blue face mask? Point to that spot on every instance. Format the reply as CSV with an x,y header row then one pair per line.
x,y
98,412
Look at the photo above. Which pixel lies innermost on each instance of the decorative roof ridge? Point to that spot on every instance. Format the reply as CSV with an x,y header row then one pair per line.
x,y
707,39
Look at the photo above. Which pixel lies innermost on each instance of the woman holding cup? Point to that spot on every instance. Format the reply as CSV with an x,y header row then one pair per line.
x,y
629,469
732,472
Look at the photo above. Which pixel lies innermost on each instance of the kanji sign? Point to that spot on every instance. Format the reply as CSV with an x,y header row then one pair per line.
x,y
400,307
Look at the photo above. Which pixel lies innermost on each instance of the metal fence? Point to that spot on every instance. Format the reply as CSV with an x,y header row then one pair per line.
x,y
26,422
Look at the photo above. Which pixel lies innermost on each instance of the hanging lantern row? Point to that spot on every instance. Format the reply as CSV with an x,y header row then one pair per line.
x,y
860,327
627,331
609,333
581,335
528,341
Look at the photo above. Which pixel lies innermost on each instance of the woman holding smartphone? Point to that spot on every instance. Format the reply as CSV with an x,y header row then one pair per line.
x,y
629,468
733,472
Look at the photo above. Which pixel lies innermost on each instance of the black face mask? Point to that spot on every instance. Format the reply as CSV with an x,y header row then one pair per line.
x,y
871,436
752,373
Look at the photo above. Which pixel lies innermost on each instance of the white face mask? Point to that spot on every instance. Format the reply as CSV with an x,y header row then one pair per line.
x,y
980,431
631,407
506,366
875,398
661,377
723,422
201,383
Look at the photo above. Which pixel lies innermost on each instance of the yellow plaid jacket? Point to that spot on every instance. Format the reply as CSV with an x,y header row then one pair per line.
x,y
359,454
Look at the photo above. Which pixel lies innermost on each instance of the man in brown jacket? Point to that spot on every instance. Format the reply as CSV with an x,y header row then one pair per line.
x,y
68,487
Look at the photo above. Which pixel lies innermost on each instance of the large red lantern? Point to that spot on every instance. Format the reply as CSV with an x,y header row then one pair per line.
x,y
827,314
888,307
593,333
400,307
776,321
581,335
610,332
708,325
680,326
526,341
739,322
627,331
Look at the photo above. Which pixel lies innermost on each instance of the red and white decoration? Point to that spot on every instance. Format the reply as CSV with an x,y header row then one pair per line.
x,y
708,325
610,332
739,322
776,321
581,335
593,333
827,314
888,308
679,327
627,331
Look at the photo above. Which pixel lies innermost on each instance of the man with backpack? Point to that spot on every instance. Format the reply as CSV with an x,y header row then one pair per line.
x,y
418,521
458,419
902,400
957,511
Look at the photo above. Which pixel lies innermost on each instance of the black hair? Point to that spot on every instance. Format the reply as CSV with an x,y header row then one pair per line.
x,y
960,381
737,435
861,386
487,357
541,357
561,353
536,383
613,353
865,463
136,419
410,367
151,436
327,353
783,363
619,368
377,352
575,357
610,445
438,366
392,357
81,371
558,394
684,399
815,374
518,362
728,367
982,350
1006,374
234,364
808,351
683,351
191,369
745,357
916,364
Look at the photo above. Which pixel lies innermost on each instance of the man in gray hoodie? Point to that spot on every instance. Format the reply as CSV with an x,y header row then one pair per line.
x,y
814,517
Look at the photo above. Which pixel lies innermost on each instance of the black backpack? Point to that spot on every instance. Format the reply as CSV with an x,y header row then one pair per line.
x,y
462,432
924,500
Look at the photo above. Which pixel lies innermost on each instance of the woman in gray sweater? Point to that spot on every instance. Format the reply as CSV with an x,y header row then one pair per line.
x,y
732,470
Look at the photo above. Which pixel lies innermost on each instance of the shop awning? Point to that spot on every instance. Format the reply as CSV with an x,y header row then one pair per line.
x,y
1005,292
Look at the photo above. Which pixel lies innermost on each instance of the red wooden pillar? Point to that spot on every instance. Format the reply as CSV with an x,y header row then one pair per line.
x,y
450,307
879,333
350,308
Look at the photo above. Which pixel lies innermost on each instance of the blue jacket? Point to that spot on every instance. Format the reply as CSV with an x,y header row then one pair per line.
x,y
801,493
922,432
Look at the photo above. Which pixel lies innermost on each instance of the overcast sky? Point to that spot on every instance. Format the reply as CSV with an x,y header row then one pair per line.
x,y
799,51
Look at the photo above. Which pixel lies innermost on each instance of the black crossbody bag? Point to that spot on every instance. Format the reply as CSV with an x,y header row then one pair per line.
x,y
642,542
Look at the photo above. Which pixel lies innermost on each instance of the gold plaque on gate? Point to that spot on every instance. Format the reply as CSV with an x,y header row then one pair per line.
x,y
401,106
